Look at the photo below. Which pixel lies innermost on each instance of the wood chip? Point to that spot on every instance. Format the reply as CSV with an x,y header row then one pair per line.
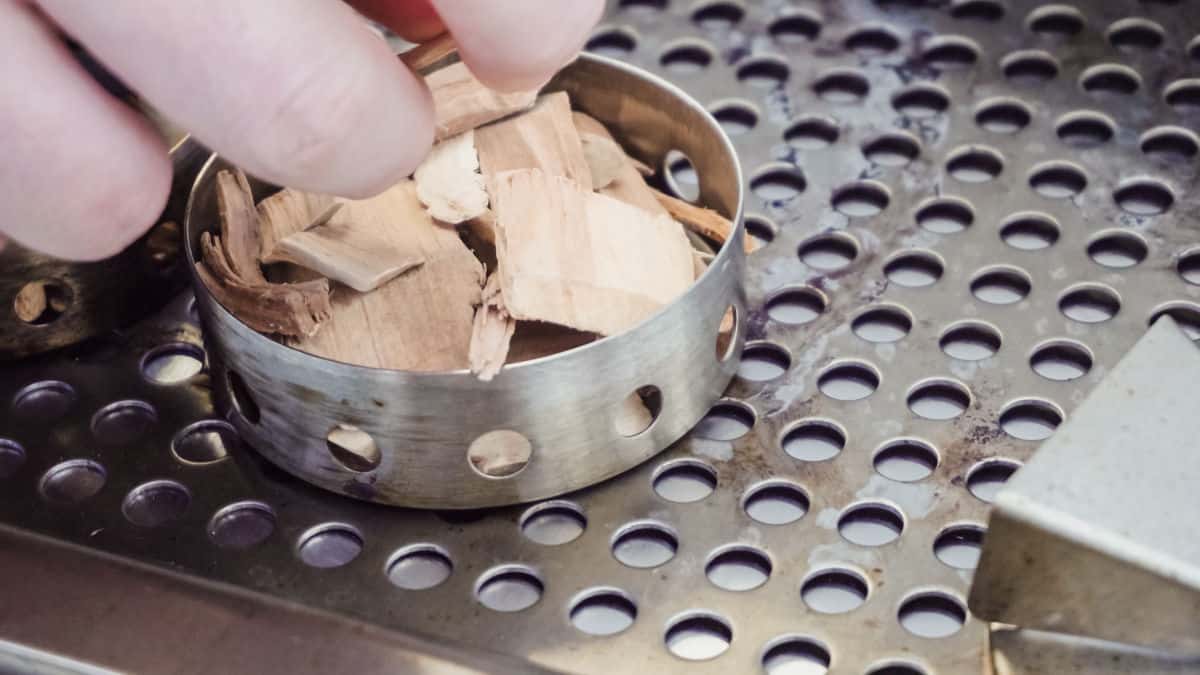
x,y
31,303
421,320
344,252
537,339
290,211
582,259
492,332
628,185
449,183
705,222
461,102
483,226
429,54
544,138
239,226
604,157
283,309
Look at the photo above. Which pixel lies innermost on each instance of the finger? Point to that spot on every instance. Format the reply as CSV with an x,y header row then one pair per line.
x,y
85,175
518,44
413,20
302,94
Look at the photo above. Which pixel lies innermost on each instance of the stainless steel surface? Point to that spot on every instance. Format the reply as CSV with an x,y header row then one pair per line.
x,y
1029,652
755,491
1092,537
564,408
88,299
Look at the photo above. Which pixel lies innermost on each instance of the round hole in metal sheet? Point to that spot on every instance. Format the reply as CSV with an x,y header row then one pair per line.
x,y
893,667
975,164
1057,179
1002,115
553,523
906,460
778,182
885,322
861,199
1029,67
828,251
939,398
916,268
718,15
156,503
834,590
959,546
509,588
638,411
1030,231
1110,80
813,439
871,523
172,363
760,230
797,305
1030,419
1055,21
764,72
1169,143
945,215
243,400
680,176
241,525
1089,303
644,544
1193,48
1188,266
698,635
12,456
848,380
205,442
776,502
612,42
970,340
1117,249
686,57
1061,360
40,303
986,478
1186,314
738,567
43,402
893,149
1136,33
684,481
812,132
795,655
871,40
796,27
763,361
727,420
921,100
329,545
978,10
1001,284
1144,197
353,449
502,453
648,7
123,422
842,86
603,611
1085,129
951,52
932,614
735,116
72,482
1183,95
419,567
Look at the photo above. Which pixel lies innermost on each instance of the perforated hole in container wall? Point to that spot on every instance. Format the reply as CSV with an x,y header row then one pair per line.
x,y
618,568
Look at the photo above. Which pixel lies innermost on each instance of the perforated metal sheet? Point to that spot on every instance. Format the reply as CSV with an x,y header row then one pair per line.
x,y
1017,155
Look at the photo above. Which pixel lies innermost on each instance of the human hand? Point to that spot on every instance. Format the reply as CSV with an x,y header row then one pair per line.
x,y
298,92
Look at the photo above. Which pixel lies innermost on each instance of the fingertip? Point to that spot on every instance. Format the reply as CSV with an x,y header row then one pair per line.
x,y
114,212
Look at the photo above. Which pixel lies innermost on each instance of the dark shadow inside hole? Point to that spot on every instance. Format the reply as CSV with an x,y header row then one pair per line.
x,y
1118,250
738,569
978,10
684,59
763,73
860,199
718,15
1003,117
1170,144
842,87
616,43
914,270
828,252
1029,232
736,119
763,362
760,232
796,306
1186,316
1061,362
871,524
834,591
40,303
795,28
891,150
872,42
882,324
778,184
1144,198
1001,287
1110,80
1031,69
939,400
1030,420
1058,181
795,656
975,165
813,441
932,615
724,422
945,216
1089,304
920,102
950,55
777,504
970,342
1185,97
1085,131
906,461
986,479
1137,35
1055,22
811,133
848,382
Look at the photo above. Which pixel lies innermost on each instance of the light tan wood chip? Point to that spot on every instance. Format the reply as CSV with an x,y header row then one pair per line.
x,y
544,138
449,183
461,102
492,333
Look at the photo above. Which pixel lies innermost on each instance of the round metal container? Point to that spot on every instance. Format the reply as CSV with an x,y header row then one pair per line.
x,y
562,410
81,300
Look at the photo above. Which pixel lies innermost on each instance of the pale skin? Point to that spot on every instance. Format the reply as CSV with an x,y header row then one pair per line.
x,y
298,92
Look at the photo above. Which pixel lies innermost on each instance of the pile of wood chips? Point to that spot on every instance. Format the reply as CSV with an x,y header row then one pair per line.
x,y
525,232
